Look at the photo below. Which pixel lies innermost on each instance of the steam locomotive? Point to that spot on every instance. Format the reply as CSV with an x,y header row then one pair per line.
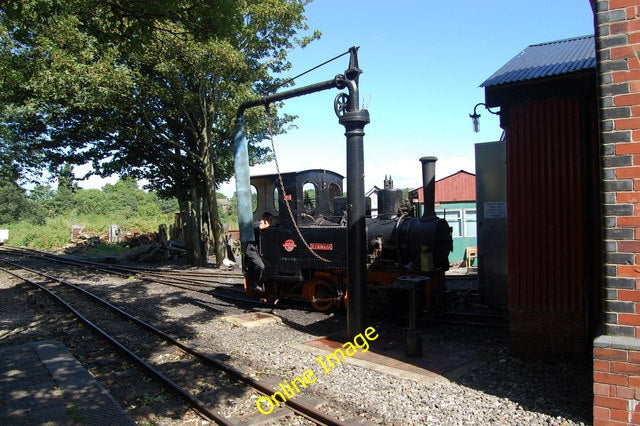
x,y
304,251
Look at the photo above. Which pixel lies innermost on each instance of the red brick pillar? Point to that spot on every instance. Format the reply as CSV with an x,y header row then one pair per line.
x,y
616,353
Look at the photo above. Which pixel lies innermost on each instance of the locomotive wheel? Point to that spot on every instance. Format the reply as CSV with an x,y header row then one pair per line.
x,y
323,296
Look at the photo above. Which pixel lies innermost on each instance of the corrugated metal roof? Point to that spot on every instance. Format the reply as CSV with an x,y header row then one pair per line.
x,y
546,60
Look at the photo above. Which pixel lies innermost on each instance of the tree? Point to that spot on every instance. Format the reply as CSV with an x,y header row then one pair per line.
x,y
63,200
12,204
145,89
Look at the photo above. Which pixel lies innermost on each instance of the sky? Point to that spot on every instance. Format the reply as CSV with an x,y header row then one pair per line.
x,y
423,62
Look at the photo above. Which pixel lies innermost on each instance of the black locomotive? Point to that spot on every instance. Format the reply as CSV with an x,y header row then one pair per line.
x,y
304,251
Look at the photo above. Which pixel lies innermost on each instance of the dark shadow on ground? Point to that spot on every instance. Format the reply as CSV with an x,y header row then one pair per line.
x,y
478,357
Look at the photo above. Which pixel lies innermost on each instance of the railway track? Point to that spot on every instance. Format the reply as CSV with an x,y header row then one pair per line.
x,y
227,286
194,278
224,285
205,383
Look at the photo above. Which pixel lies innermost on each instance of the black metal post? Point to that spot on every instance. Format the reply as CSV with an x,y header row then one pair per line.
x,y
354,119
354,123
413,342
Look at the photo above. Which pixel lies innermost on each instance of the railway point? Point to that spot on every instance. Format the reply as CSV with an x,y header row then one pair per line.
x,y
42,383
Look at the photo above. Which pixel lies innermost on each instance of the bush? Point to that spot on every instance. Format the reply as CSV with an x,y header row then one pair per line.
x,y
44,221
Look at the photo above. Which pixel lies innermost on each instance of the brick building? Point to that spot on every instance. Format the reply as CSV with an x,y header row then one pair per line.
x,y
616,352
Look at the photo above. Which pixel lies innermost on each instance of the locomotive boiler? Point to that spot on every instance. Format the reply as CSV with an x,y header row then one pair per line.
x,y
304,251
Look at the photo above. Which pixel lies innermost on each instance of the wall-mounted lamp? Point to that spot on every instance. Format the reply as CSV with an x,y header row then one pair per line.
x,y
475,117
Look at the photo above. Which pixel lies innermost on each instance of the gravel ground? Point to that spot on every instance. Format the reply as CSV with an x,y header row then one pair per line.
x,y
500,390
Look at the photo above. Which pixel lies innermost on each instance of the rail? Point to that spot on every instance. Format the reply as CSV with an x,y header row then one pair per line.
x,y
198,405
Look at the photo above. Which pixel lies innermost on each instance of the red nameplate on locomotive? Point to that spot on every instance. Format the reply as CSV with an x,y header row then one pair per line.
x,y
321,246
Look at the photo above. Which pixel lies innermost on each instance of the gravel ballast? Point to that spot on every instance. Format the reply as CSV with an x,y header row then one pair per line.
x,y
498,389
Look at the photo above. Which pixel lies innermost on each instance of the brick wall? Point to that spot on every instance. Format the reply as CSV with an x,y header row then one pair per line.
x,y
616,353
616,381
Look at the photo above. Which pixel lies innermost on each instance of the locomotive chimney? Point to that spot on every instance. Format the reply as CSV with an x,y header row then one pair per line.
x,y
429,187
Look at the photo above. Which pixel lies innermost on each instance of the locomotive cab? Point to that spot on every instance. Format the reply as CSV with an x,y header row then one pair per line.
x,y
310,194
307,221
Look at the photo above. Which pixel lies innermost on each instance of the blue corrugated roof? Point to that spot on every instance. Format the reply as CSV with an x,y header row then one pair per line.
x,y
546,60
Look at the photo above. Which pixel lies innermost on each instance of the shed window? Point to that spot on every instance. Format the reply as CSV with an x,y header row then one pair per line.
x,y
454,218
470,223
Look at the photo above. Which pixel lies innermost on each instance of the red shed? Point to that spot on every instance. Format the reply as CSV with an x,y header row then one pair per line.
x,y
547,99
458,187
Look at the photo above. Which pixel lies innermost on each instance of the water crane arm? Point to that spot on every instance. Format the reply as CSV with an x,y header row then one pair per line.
x,y
241,161
288,94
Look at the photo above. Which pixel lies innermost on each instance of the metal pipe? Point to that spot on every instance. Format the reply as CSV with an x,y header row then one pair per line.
x,y
288,94
243,185
353,119
429,187
354,122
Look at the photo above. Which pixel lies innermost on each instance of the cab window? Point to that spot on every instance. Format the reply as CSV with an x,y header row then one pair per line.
x,y
309,196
